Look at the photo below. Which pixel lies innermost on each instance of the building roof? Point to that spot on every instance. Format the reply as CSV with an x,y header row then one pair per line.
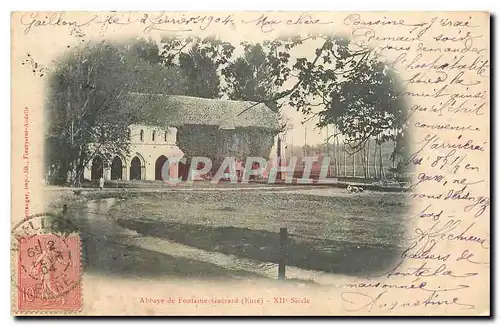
x,y
177,110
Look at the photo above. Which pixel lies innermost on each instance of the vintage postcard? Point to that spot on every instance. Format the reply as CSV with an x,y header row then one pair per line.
x,y
250,163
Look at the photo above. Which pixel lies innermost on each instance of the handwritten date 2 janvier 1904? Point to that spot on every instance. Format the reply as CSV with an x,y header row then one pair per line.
x,y
168,22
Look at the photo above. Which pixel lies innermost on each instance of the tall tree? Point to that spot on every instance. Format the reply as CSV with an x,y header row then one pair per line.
x,y
147,50
199,62
250,77
366,103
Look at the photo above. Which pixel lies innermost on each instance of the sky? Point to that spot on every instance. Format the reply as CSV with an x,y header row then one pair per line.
x,y
303,134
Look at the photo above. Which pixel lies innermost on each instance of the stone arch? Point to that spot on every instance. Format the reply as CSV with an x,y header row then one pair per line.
x,y
137,168
118,168
162,159
97,169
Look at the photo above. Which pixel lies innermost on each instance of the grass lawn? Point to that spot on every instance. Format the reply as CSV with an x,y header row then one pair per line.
x,y
355,234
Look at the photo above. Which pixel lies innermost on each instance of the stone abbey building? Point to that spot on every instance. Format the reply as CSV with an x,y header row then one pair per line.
x,y
187,126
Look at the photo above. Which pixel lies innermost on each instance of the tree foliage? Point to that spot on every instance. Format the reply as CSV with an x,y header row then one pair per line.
x,y
366,104
249,77
199,62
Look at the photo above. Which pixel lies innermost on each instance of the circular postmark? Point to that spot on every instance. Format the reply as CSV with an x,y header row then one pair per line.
x,y
48,263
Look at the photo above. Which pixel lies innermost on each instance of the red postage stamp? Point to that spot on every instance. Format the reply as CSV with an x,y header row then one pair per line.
x,y
49,273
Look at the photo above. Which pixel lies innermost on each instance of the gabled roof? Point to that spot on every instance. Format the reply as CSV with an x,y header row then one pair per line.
x,y
177,110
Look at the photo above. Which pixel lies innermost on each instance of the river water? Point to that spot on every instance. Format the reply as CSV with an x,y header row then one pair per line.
x,y
113,250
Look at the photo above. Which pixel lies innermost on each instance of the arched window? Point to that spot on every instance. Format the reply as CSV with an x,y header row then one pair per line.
x,y
154,135
165,136
142,135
